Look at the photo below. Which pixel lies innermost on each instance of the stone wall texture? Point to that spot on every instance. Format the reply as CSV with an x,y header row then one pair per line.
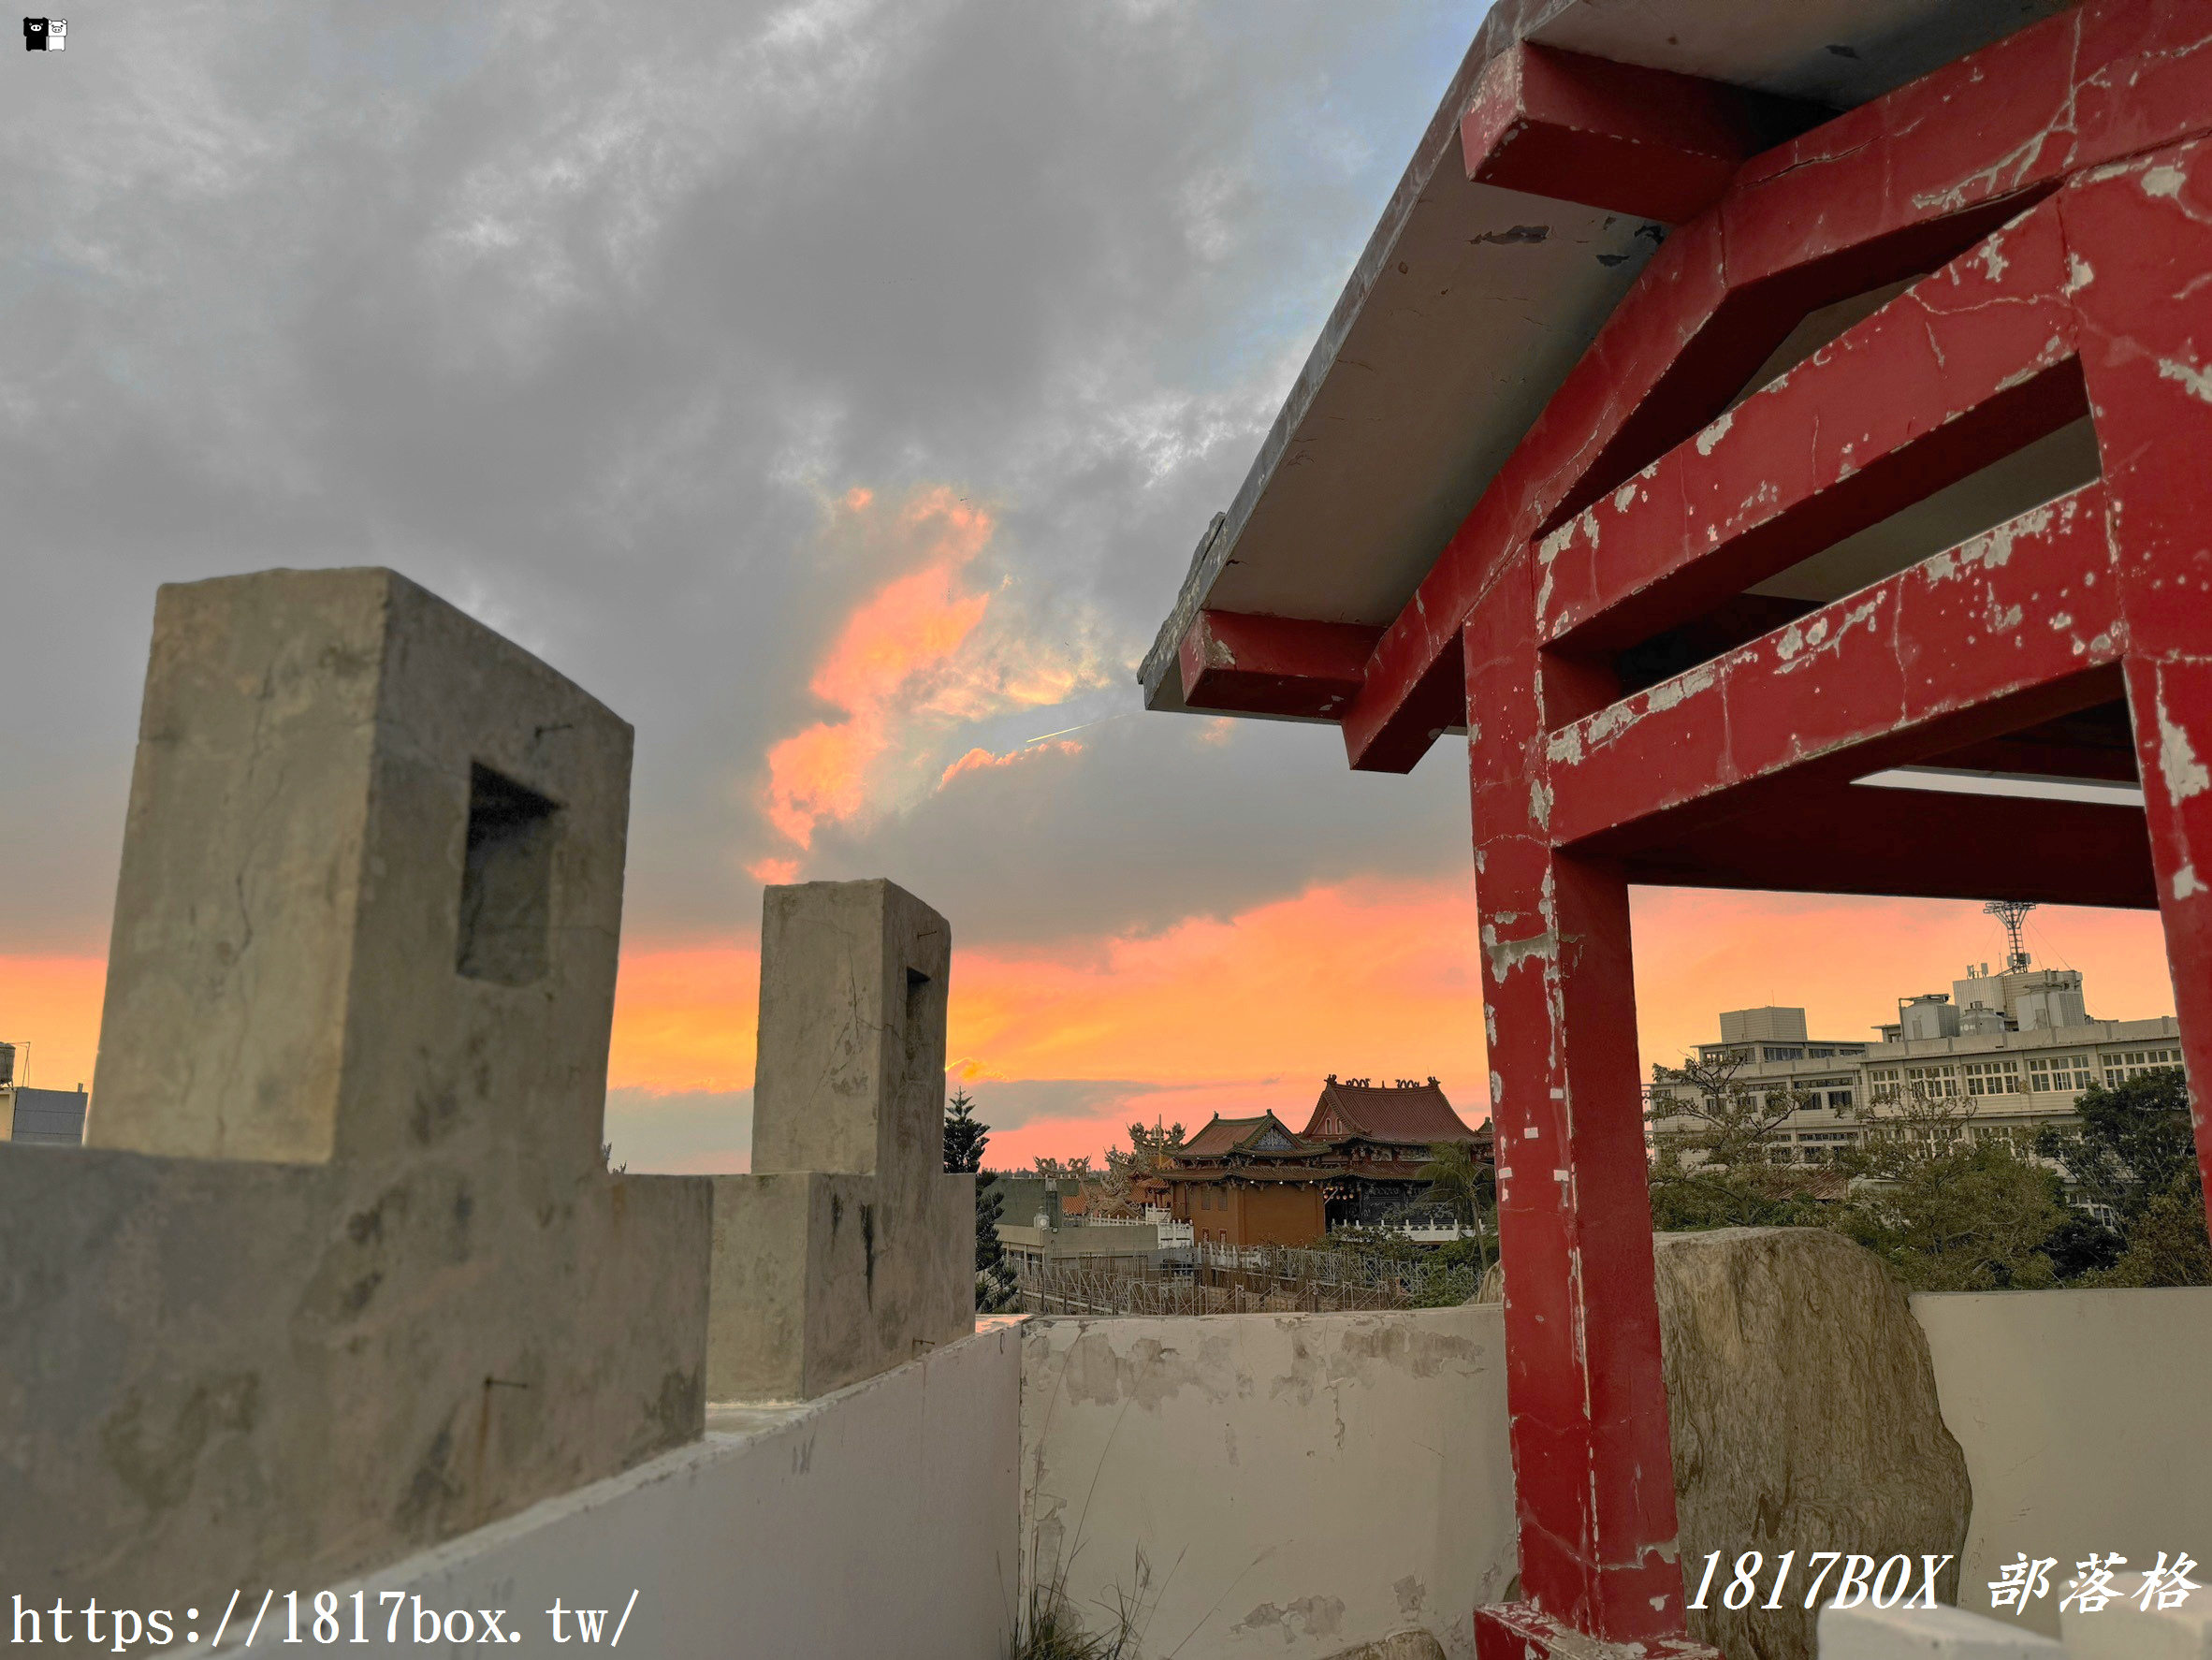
x,y
1802,1403
1804,1415
341,1273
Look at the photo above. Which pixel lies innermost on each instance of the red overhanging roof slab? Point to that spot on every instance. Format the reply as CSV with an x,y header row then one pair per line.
x,y
1472,303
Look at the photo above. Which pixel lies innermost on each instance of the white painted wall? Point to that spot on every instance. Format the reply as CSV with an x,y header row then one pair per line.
x,y
1295,1484
877,1520
2081,1414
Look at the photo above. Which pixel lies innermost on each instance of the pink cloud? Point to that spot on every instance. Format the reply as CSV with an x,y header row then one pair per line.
x,y
975,760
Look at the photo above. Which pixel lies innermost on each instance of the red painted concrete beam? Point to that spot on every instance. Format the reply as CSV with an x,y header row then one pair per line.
x,y
1913,844
1957,371
2144,234
1606,135
2042,751
1894,187
1272,665
1953,650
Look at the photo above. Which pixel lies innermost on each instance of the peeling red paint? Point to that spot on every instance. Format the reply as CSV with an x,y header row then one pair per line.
x,y
2046,204
1961,647
2087,294
1899,185
1272,665
1580,129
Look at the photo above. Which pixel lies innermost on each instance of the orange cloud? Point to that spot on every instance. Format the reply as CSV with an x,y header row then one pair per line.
x,y
904,629
907,627
1846,960
977,759
920,656
1365,977
1380,978
773,872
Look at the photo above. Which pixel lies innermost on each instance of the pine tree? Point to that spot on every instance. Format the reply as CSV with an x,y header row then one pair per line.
x,y
966,1138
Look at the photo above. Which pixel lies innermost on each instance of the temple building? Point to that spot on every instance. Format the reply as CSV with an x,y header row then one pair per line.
x,y
1379,1136
1255,1181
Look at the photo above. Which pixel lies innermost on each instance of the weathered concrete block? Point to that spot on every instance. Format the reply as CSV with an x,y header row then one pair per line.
x,y
371,882
848,1249
1287,1485
1926,1634
342,1274
2123,1631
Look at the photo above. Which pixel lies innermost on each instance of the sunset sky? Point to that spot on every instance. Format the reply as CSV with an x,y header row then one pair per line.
x,y
836,391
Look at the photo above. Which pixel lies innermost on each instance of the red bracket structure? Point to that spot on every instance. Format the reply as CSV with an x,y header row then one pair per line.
x,y
1272,665
1580,129
2040,219
2015,251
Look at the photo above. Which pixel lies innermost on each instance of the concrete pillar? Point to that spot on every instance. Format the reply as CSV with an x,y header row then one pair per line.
x,y
2144,317
848,1249
342,1274
372,883
1927,1633
1585,1390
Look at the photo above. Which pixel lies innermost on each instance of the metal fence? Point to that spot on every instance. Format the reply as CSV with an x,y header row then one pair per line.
x,y
1249,1279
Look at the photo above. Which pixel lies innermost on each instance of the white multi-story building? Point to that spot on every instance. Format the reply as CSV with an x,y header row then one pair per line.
x,y
2015,1047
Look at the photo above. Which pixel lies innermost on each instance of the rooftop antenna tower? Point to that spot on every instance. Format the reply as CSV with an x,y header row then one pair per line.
x,y
2012,912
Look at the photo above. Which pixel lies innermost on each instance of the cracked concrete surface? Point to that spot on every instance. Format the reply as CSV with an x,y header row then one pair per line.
x,y
848,1249
340,1273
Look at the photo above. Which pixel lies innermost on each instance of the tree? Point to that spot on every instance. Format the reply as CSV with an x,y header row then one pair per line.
x,y
1720,1160
1956,1216
1464,1185
2133,1163
1149,1150
2166,1241
1947,1206
966,1136
1458,1182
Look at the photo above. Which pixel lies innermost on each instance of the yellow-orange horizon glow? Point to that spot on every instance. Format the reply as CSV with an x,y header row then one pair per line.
x,y
1369,978
53,1003
1366,978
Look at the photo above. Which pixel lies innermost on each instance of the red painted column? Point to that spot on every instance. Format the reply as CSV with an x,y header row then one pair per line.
x,y
1594,1480
2140,241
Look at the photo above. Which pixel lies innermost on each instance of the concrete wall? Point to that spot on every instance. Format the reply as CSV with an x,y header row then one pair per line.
x,y
849,1249
2081,1415
1280,1485
340,1273
877,1521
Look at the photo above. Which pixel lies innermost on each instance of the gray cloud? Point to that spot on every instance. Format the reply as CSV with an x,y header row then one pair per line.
x,y
686,1132
581,317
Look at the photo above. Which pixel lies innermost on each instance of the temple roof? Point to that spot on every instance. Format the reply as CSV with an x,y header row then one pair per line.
x,y
1404,1111
1471,302
1265,1133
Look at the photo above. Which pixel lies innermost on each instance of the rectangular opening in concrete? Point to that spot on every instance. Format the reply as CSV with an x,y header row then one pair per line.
x,y
916,1033
506,881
